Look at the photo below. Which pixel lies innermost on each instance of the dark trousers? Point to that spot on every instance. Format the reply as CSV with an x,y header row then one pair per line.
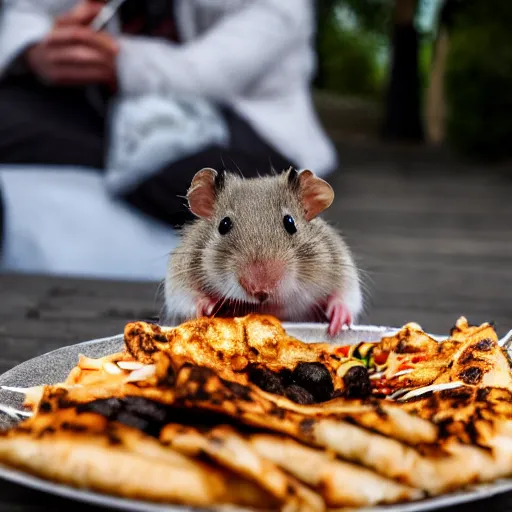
x,y
52,125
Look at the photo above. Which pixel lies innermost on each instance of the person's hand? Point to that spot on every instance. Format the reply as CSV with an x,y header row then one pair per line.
x,y
82,14
72,53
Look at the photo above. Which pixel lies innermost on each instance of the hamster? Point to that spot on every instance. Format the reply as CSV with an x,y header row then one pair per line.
x,y
259,246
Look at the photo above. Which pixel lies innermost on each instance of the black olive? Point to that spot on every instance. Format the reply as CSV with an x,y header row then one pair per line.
x,y
107,408
315,378
482,394
130,419
145,408
471,375
45,406
266,380
299,395
357,382
137,412
484,345
286,377
240,391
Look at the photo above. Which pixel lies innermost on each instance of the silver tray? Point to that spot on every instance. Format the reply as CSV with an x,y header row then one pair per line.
x,y
54,367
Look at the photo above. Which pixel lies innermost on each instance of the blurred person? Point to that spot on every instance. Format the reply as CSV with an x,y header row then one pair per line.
x,y
70,95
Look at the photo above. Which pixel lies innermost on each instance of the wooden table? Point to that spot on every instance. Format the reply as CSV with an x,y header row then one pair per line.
x,y
39,314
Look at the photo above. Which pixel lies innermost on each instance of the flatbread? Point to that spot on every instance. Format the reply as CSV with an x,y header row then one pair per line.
x,y
90,452
226,447
471,415
341,484
437,467
434,465
254,348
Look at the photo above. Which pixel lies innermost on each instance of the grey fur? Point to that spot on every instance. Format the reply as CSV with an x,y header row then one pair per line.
x,y
317,258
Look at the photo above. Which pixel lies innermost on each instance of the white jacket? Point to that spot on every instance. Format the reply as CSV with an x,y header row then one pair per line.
x,y
253,55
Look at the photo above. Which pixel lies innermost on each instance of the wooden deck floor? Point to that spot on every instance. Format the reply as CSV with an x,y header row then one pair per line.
x,y
434,236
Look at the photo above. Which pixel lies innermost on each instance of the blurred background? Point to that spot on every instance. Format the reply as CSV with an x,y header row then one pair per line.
x,y
416,98
434,71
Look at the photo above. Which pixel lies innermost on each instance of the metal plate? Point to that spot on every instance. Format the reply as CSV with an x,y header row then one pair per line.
x,y
54,367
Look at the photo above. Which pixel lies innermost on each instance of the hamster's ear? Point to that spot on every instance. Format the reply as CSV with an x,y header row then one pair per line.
x,y
316,195
202,193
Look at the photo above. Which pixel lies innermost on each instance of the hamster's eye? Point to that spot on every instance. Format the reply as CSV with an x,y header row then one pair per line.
x,y
289,224
225,226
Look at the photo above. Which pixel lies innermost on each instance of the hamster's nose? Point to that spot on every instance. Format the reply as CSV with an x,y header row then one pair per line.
x,y
261,278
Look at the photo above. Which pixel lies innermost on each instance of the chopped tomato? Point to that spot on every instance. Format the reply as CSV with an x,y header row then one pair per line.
x,y
405,366
383,391
419,359
380,357
343,351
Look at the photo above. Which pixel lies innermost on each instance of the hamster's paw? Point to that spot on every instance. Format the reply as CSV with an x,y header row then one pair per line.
x,y
337,313
205,306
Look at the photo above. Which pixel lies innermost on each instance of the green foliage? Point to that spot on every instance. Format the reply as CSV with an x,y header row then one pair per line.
x,y
373,15
425,61
348,60
353,57
479,80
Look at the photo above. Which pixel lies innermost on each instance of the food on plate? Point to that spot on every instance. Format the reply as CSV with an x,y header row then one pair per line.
x,y
257,349
86,450
254,348
212,396
409,362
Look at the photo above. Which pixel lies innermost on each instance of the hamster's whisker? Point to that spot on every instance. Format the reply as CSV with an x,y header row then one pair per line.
x,y
364,274
365,287
184,250
318,309
186,271
162,315
298,297
159,292
362,271
236,303
226,298
328,255
184,253
239,171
